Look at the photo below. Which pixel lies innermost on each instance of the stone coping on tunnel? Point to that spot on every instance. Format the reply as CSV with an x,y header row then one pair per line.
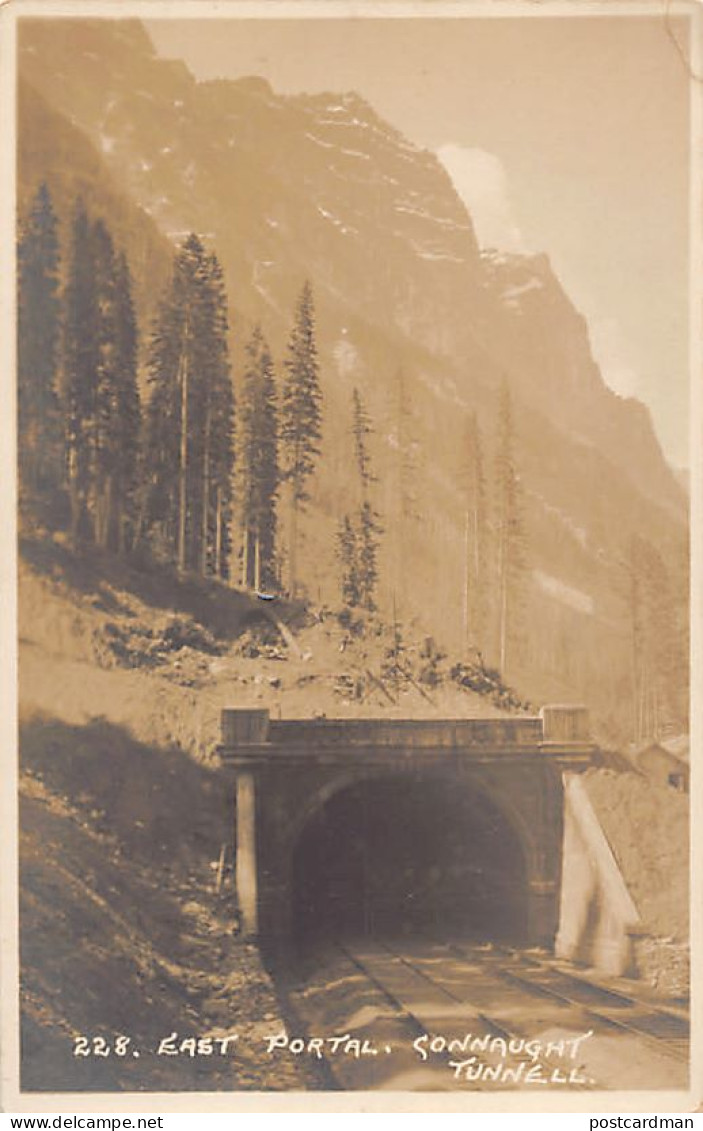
x,y
250,734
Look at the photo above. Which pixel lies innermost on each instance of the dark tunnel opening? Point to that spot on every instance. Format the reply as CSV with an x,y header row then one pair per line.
x,y
409,855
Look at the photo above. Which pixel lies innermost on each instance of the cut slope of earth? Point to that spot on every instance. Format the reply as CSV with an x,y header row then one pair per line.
x,y
122,930
647,828
124,813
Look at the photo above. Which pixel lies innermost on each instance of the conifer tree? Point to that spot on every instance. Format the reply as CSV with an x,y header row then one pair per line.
x,y
368,541
101,398
38,348
358,536
658,648
301,415
509,530
81,360
161,445
258,463
105,453
369,527
189,436
125,428
347,553
405,477
475,540
218,427
361,430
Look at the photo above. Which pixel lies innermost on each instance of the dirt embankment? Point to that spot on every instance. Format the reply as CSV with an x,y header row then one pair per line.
x,y
124,814
124,930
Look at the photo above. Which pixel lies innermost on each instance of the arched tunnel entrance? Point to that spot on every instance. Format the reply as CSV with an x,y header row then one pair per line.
x,y
417,853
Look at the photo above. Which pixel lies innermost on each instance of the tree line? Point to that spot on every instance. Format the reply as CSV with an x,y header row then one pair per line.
x,y
658,632
155,454
495,553
131,438
181,472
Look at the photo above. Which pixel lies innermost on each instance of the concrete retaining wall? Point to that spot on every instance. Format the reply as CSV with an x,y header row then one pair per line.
x,y
598,920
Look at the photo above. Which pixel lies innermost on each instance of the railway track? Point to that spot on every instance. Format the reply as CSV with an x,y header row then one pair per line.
x,y
424,1015
659,1025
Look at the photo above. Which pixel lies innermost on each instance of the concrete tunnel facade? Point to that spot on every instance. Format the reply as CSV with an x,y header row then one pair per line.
x,y
393,826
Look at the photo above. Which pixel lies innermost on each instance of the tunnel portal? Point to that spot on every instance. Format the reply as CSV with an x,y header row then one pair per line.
x,y
385,826
409,854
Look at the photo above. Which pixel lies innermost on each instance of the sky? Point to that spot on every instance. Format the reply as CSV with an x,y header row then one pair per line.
x,y
568,136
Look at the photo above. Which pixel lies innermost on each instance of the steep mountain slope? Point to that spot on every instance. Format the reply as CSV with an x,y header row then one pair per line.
x,y
320,187
56,151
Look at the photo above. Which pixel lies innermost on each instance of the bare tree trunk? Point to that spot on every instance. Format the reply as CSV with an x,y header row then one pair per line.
x,y
183,458
478,580
635,678
257,563
292,563
106,514
205,532
467,586
245,557
74,496
120,525
218,534
503,577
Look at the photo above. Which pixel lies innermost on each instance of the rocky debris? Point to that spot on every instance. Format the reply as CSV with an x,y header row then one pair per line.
x,y
260,640
665,964
136,645
488,681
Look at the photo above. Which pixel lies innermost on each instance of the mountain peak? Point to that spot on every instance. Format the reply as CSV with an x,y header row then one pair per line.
x,y
87,38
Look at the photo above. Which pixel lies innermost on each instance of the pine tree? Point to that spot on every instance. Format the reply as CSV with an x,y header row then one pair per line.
x,y
408,468
301,415
369,527
168,446
658,657
217,474
358,536
347,553
475,540
370,530
189,436
101,397
38,348
404,478
105,453
258,463
161,444
81,361
509,530
125,429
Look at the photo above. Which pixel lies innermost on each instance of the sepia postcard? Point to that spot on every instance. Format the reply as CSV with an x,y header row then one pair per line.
x,y
352,424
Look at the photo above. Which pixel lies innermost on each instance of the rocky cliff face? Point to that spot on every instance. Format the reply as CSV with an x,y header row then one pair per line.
x,y
320,187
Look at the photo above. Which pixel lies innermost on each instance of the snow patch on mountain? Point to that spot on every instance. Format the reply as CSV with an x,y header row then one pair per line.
x,y
345,229
523,288
319,141
566,594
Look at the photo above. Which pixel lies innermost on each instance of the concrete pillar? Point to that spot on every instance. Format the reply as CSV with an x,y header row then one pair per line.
x,y
542,912
565,724
245,853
